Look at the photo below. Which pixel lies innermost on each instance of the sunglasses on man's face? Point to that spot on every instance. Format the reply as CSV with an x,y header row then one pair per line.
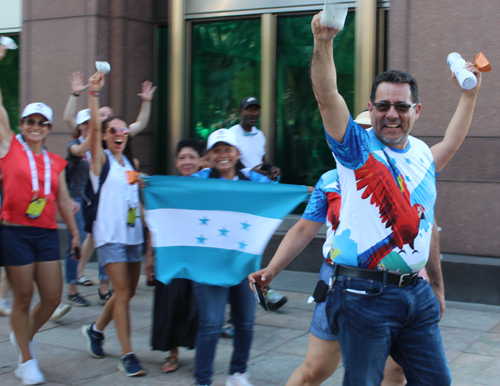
x,y
400,107
32,122
124,130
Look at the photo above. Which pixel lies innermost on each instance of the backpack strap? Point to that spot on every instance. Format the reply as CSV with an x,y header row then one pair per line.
x,y
104,174
92,198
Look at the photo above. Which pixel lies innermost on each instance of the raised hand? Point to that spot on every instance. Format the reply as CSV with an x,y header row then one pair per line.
x,y
320,32
148,91
479,76
96,82
76,80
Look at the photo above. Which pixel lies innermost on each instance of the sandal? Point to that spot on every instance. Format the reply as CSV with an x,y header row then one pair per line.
x,y
171,364
82,280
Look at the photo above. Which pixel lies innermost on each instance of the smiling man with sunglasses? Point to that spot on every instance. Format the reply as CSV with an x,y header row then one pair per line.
x,y
373,301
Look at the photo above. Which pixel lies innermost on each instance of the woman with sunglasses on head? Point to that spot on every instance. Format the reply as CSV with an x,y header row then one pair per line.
x,y
175,314
223,152
33,185
71,118
117,230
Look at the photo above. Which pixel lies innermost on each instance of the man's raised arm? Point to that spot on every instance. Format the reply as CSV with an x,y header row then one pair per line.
x,y
332,106
459,125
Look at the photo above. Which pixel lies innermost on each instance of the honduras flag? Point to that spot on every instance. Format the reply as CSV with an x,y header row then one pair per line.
x,y
213,231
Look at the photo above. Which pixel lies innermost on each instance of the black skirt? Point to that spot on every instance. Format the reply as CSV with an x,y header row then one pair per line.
x,y
175,316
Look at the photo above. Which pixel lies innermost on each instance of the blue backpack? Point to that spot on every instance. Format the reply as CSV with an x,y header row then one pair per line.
x,y
92,199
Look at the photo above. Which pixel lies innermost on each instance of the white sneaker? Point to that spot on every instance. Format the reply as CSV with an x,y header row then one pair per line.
x,y
14,343
5,307
29,373
61,310
238,379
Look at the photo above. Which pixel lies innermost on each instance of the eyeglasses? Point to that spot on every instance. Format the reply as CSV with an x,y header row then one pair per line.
x,y
31,122
400,107
247,134
124,130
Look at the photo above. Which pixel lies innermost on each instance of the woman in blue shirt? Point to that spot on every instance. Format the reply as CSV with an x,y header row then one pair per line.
x,y
223,155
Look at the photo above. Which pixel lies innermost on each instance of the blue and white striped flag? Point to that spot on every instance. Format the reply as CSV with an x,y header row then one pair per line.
x,y
213,231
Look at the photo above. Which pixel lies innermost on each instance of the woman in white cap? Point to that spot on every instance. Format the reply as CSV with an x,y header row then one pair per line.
x,y
34,185
222,147
77,175
117,230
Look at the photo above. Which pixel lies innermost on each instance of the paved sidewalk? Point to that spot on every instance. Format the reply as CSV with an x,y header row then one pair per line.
x,y
471,335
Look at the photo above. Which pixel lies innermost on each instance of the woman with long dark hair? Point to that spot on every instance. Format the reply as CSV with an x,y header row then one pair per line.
x,y
117,230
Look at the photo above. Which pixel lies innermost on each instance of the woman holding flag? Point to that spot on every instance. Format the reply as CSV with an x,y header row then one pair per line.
x,y
175,314
117,229
222,148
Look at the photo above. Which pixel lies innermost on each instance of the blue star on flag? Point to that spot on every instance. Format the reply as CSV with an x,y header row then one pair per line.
x,y
201,239
223,231
245,225
242,245
204,221
408,161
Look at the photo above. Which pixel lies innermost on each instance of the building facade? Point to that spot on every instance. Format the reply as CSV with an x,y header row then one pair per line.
x,y
206,55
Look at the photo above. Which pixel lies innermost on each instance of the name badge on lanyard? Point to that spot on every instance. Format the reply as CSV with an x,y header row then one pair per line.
x,y
37,204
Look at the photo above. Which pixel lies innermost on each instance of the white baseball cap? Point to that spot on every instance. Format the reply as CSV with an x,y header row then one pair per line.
x,y
363,118
83,116
38,108
222,135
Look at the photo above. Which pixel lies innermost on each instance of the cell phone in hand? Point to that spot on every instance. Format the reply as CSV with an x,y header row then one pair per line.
x,y
261,299
76,253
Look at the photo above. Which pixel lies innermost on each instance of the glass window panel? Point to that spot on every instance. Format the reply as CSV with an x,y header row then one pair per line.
x,y
301,148
9,83
226,61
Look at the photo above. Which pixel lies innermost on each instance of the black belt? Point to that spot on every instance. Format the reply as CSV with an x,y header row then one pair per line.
x,y
401,280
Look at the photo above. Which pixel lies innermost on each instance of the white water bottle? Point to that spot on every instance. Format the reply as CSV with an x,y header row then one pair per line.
x,y
466,78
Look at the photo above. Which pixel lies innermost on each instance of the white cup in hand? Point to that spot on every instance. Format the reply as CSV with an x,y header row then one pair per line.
x,y
103,67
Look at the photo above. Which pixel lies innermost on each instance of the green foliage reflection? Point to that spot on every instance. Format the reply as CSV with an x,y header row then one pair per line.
x,y
225,68
301,149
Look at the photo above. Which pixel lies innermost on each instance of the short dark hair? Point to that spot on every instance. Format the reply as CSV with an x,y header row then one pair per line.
x,y
398,77
189,142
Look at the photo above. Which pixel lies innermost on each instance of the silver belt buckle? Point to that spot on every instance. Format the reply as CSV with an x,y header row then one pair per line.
x,y
401,278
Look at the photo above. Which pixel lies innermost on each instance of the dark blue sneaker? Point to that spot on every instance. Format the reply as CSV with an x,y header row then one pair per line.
x,y
130,366
94,341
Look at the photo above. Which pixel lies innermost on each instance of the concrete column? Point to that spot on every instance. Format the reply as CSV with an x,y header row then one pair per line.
x,y
366,22
177,64
268,82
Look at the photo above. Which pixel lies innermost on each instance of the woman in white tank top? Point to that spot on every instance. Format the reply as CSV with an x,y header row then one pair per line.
x,y
117,229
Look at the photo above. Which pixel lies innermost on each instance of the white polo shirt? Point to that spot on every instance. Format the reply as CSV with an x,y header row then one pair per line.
x,y
252,145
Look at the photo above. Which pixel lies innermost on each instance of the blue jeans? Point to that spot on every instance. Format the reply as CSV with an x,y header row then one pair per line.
x,y
72,265
383,319
211,302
